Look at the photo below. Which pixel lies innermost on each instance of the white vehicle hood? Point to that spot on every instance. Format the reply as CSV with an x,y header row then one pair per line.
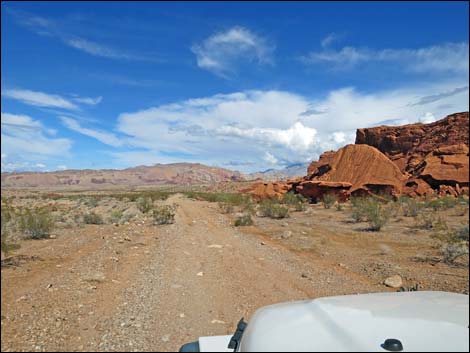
x,y
422,321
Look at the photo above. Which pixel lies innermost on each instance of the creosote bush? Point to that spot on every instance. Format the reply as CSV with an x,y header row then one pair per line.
x,y
92,218
6,218
295,200
410,206
35,223
371,210
144,204
115,216
454,242
164,214
272,209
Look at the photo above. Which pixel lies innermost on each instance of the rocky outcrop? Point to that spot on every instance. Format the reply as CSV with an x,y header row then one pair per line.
x,y
315,190
264,190
416,159
433,157
364,167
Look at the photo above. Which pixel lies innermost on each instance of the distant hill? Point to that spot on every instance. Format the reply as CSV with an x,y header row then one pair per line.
x,y
291,171
159,174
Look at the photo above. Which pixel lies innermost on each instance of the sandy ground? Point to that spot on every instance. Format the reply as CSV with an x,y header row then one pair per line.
x,y
140,287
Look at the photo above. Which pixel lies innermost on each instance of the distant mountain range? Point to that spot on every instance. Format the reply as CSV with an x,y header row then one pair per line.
x,y
291,171
159,174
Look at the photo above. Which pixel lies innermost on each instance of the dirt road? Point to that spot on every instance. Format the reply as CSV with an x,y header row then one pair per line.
x,y
147,288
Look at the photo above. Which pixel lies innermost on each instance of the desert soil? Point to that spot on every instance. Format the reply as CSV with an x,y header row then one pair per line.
x,y
140,287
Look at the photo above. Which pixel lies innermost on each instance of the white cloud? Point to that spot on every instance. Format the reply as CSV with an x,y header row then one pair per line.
x,y
449,57
268,157
40,165
39,99
102,136
96,49
62,31
329,39
24,142
223,51
62,167
427,118
297,138
266,127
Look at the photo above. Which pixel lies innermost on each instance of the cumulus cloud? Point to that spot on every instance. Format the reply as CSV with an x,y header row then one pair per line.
x,y
102,136
222,52
449,57
24,142
270,128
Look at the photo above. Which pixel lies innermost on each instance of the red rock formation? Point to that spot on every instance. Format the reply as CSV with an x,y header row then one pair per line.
x,y
315,190
430,155
263,190
416,159
364,167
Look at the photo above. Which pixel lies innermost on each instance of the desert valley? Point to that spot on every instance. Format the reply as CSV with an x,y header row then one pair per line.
x,y
148,258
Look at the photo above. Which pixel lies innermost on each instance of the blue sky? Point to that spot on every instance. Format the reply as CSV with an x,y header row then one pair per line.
x,y
246,86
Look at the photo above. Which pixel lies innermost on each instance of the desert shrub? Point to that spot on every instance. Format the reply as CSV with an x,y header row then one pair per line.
x,y
377,216
426,220
371,210
248,207
411,207
442,203
144,204
91,201
225,207
92,218
295,200
339,206
115,216
35,223
6,217
454,242
329,200
358,206
272,209
243,220
164,214
126,217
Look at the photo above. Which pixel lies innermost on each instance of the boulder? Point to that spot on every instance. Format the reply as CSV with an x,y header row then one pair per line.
x,y
394,281
260,191
365,168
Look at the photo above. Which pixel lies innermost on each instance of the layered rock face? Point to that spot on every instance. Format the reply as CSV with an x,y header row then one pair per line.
x,y
416,159
433,157
362,166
